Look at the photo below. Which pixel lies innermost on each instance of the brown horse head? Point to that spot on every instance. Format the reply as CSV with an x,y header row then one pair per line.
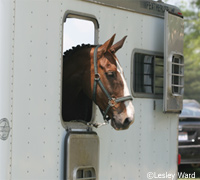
x,y
114,96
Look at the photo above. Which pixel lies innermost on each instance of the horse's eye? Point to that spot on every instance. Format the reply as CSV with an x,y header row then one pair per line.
x,y
110,74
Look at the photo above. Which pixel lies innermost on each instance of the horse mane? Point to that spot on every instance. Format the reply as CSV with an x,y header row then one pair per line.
x,y
81,109
69,52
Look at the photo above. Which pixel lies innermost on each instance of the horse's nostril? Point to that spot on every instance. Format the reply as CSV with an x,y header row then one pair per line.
x,y
127,122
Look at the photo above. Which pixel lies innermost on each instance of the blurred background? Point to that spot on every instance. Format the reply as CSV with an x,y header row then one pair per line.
x,y
191,13
189,119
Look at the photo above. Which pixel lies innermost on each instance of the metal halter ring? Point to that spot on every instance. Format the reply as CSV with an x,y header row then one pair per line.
x,y
112,102
97,77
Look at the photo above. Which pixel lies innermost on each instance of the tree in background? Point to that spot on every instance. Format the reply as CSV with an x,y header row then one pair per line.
x,y
192,50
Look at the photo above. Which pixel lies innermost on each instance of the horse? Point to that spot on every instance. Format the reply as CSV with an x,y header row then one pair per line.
x,y
92,73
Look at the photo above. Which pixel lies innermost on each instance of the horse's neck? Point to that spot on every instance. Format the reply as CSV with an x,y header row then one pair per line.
x,y
76,72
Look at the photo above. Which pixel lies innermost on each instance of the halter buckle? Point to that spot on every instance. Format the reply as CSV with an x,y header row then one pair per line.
x,y
97,77
112,102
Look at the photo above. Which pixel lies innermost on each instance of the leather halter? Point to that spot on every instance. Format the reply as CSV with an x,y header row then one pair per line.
x,y
111,101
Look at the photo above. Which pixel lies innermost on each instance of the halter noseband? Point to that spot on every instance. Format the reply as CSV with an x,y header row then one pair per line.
x,y
111,101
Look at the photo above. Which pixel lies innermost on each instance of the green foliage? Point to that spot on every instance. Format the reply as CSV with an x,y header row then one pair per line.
x,y
192,50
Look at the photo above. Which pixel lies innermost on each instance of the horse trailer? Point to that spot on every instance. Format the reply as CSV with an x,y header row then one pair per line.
x,y
37,142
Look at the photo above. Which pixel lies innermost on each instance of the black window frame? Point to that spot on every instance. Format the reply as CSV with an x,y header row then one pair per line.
x,y
150,90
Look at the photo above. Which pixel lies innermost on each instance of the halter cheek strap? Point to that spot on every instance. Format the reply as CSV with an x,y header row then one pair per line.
x,y
111,101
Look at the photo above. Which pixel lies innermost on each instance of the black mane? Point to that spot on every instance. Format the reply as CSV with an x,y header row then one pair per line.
x,y
75,49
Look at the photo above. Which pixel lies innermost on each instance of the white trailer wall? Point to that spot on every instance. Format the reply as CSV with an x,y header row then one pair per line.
x,y
31,77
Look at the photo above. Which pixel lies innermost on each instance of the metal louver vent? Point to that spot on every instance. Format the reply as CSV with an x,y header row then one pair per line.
x,y
173,63
177,75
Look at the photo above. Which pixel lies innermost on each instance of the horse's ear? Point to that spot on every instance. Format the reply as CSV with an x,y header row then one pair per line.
x,y
106,46
118,45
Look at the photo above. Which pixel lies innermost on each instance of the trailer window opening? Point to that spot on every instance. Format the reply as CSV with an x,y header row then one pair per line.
x,y
148,75
77,30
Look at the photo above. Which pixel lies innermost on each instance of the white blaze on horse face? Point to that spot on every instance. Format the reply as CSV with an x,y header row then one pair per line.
x,y
129,105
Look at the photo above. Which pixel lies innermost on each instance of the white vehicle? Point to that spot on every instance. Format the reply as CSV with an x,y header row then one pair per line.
x,y
37,143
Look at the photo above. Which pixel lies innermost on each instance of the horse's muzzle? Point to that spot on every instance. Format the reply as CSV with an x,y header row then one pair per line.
x,y
122,125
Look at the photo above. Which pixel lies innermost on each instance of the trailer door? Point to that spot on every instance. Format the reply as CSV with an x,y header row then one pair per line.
x,y
81,156
173,63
